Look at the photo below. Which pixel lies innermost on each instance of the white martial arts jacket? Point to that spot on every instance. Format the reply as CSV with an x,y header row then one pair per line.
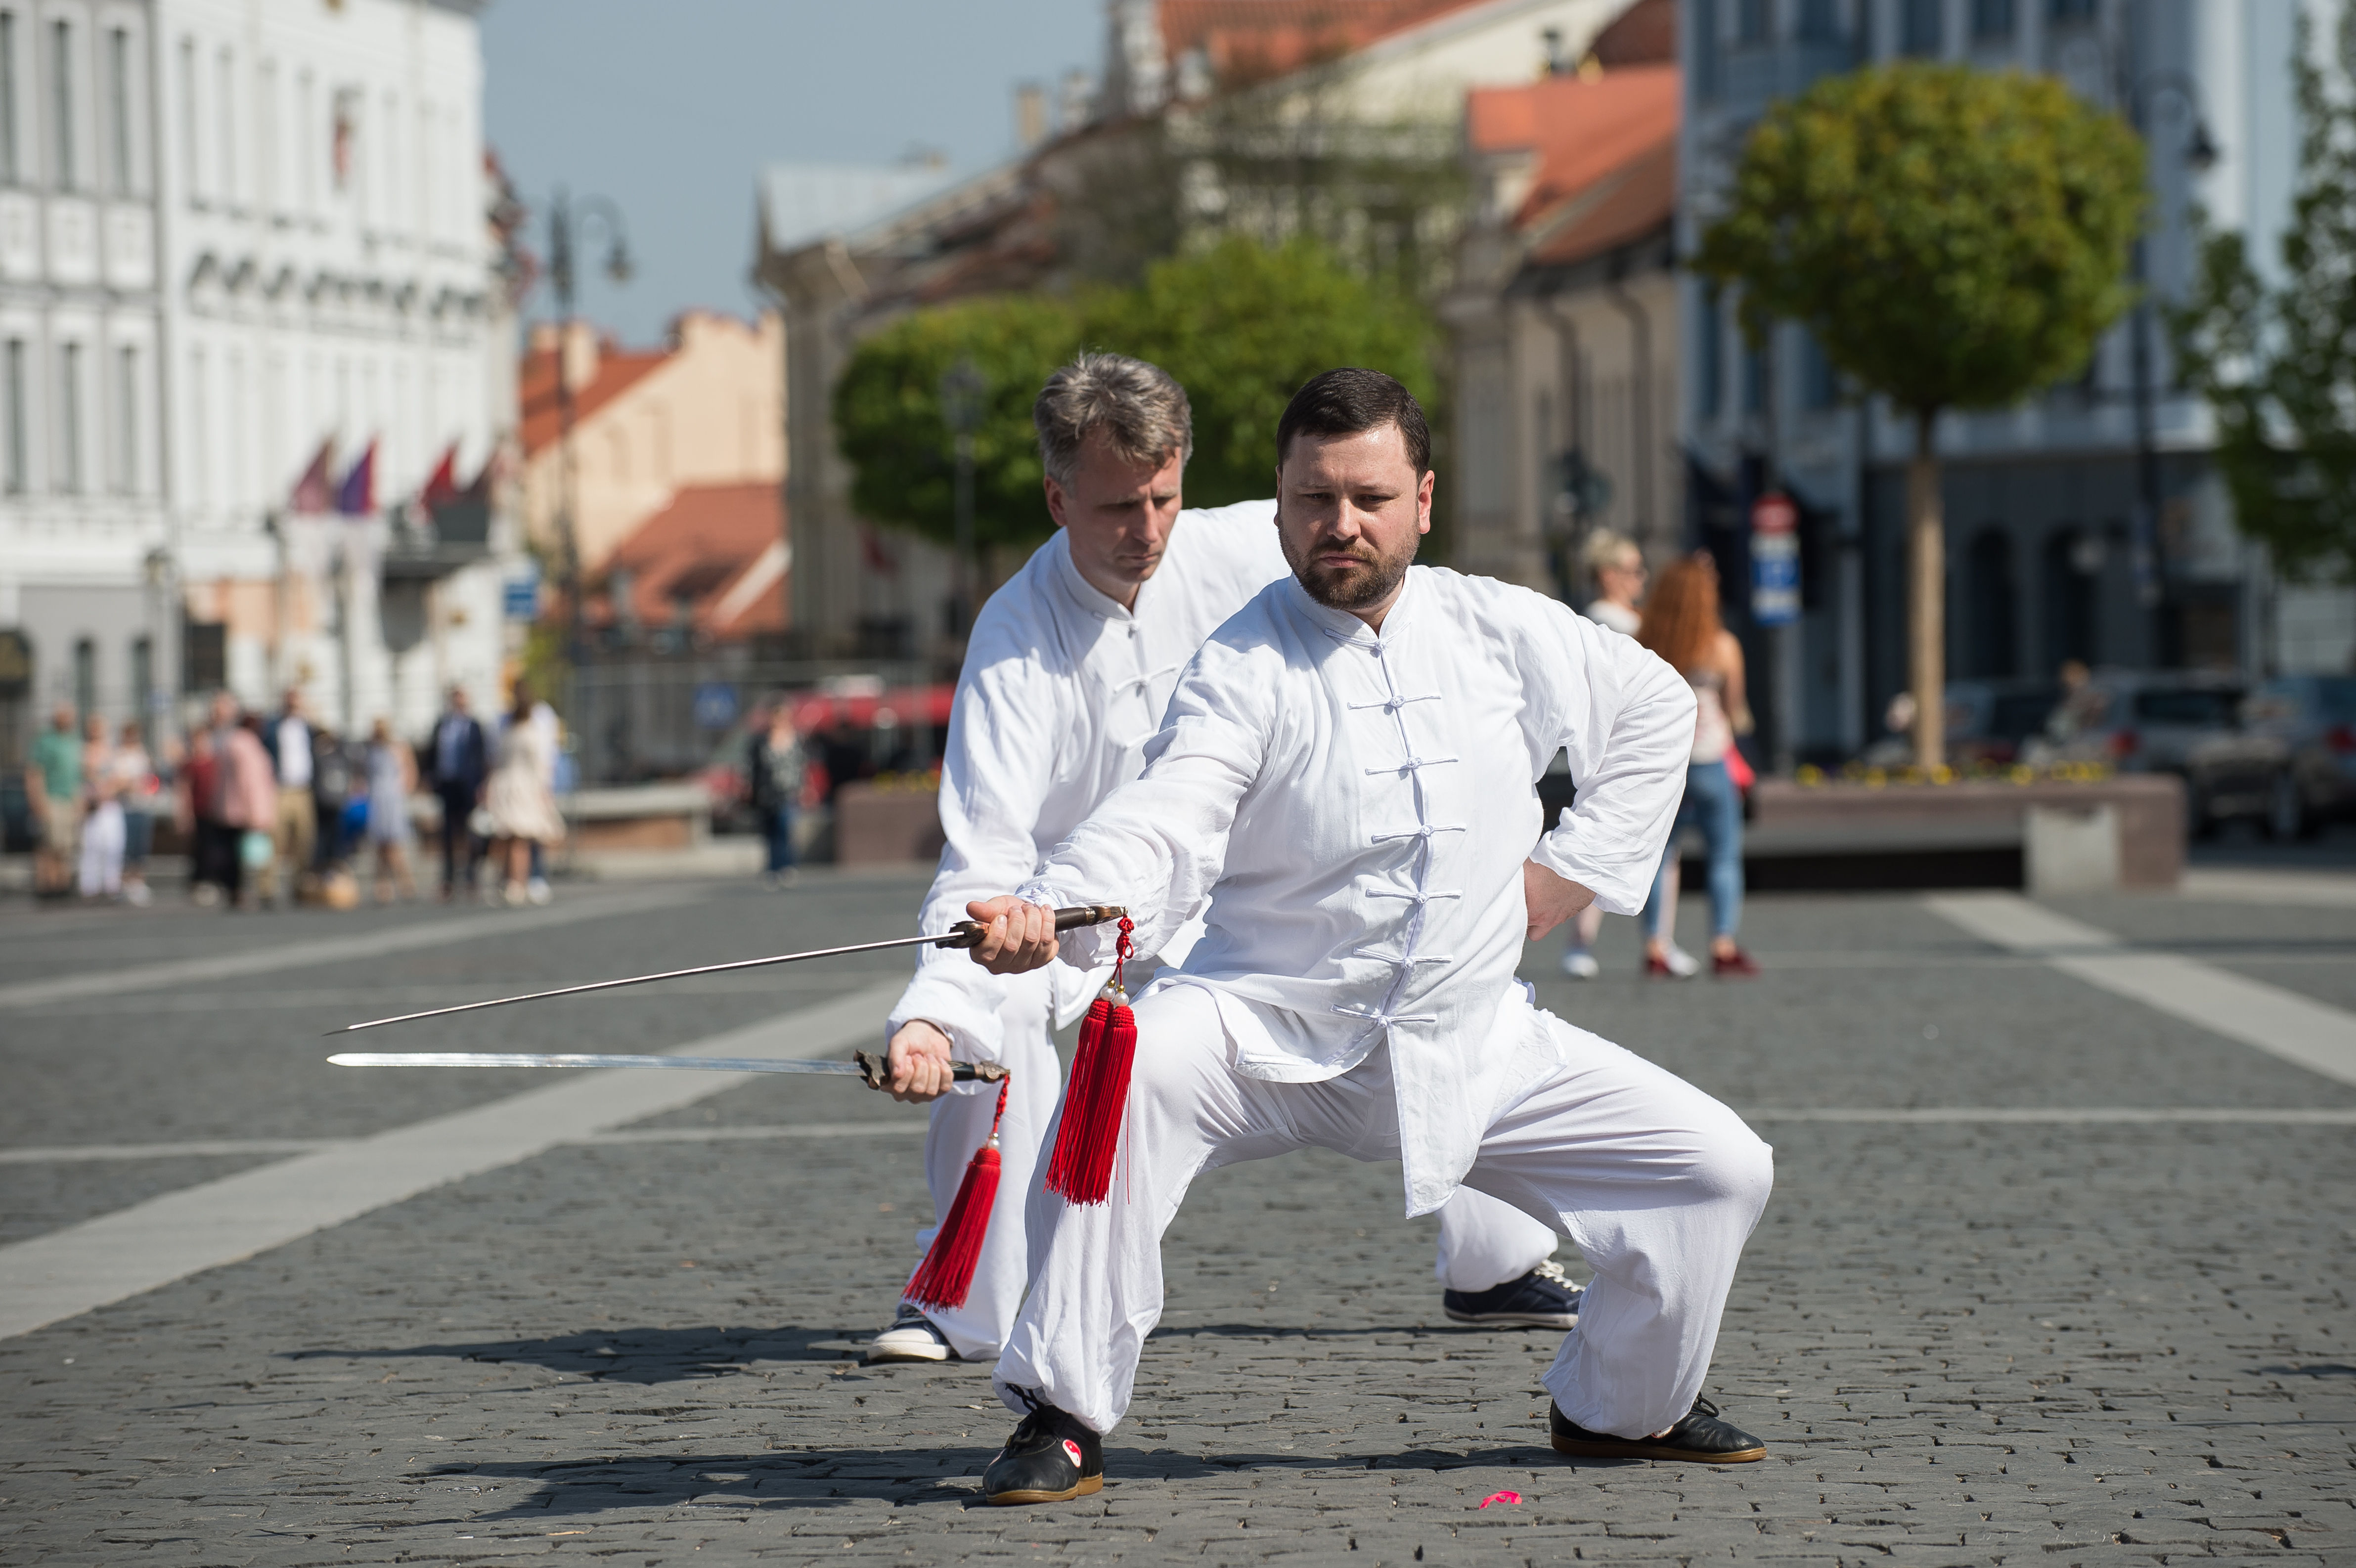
x,y
1061,690
1357,809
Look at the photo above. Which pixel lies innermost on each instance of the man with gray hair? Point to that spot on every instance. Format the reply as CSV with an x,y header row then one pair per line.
x,y
1066,674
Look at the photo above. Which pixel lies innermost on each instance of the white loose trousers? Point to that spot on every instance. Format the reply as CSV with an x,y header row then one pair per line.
x,y
1656,1183
1482,1242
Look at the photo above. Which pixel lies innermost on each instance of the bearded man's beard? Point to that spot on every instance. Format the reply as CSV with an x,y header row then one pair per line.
x,y
1368,579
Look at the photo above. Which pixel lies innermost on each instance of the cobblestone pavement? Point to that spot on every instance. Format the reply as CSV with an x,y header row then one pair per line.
x,y
1969,1341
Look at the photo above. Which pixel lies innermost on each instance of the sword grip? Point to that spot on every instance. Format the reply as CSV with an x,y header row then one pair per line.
x,y
967,933
876,1069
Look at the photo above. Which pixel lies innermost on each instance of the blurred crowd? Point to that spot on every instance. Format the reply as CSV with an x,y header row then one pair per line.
x,y
276,809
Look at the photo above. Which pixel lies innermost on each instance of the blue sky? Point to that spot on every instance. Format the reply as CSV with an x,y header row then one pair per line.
x,y
668,106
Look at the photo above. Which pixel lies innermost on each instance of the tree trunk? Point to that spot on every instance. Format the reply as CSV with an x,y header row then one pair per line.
x,y
1926,607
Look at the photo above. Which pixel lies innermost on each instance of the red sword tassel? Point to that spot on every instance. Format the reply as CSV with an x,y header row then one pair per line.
x,y
946,1277
1097,1097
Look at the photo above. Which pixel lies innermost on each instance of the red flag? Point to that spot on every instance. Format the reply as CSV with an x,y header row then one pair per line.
x,y
443,485
316,491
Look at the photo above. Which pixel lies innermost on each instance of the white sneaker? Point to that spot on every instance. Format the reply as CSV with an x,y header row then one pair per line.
x,y
1579,964
537,890
911,1338
1682,963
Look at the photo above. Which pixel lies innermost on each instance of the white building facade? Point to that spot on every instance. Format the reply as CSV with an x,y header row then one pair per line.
x,y
2063,542
238,231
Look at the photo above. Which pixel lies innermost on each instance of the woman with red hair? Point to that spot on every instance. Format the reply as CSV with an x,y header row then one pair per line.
x,y
1681,624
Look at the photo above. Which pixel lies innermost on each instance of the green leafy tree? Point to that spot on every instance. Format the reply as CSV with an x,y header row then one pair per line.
x,y
1954,239
2278,365
889,420
1241,327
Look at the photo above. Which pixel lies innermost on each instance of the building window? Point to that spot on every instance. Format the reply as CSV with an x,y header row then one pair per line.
x,y
1819,382
61,105
1992,20
1922,28
69,432
225,91
85,677
1752,21
118,107
1705,48
1820,21
204,656
1758,372
265,135
2070,11
306,146
18,447
200,449
192,171
10,169
126,422
1709,353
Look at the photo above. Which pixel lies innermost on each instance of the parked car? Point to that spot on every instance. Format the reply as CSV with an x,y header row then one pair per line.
x,y
1991,721
2302,727
2183,722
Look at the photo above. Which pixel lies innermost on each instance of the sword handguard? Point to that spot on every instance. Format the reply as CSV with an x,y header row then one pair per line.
x,y
969,934
876,1069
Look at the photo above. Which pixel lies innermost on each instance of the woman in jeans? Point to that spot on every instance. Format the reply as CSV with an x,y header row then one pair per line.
x,y
1681,624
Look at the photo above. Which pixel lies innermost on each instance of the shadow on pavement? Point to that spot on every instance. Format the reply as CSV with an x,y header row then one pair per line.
x,y
903,1477
632,1355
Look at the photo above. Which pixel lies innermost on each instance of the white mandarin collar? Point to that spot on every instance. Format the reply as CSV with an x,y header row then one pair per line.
x,y
1086,595
1344,627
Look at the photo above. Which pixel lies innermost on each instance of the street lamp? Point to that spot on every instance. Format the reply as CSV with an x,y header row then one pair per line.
x,y
565,225
961,393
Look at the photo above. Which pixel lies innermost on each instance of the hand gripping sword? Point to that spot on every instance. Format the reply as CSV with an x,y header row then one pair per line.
x,y
867,1066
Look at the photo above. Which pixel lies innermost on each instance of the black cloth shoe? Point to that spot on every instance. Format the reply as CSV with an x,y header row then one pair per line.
x,y
1542,1298
1700,1436
1051,1458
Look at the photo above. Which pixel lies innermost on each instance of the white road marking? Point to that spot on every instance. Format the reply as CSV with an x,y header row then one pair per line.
x,y
335,949
67,1153
2335,1117
2312,1034
84,1266
2263,885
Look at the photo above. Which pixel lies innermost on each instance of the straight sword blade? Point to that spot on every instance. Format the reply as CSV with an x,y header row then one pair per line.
x,y
862,1065
965,933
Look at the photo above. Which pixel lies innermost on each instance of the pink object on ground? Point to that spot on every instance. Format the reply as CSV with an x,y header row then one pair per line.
x,y
1501,1497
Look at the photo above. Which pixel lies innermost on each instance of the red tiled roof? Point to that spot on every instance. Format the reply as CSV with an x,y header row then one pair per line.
x,y
1637,199
714,549
1253,40
617,370
1581,130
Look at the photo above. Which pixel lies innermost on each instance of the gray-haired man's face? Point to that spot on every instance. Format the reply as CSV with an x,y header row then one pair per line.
x,y
1118,516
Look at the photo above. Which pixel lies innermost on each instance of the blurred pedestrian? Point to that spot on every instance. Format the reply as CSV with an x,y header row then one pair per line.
x,y
551,751
142,796
295,814
213,848
53,794
102,817
775,769
391,779
457,760
522,805
1681,624
250,805
1618,567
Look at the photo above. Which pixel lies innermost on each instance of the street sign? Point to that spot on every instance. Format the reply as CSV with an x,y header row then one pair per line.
x,y
522,598
1775,561
716,705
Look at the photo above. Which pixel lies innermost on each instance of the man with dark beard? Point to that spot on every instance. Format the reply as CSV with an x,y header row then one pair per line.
x,y
1344,773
